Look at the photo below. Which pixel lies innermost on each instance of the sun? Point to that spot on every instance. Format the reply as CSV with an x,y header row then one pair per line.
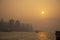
x,y
42,12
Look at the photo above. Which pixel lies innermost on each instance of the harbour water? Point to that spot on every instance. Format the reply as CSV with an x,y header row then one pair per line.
x,y
26,36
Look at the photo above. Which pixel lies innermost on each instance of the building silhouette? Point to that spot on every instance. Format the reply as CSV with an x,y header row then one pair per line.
x,y
14,26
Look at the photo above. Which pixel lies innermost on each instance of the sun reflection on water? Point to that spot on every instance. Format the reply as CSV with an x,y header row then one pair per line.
x,y
42,36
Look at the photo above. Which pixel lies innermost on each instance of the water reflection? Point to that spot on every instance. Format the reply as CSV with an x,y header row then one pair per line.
x,y
25,36
42,36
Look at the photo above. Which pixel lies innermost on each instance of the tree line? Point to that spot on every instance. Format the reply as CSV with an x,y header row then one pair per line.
x,y
14,26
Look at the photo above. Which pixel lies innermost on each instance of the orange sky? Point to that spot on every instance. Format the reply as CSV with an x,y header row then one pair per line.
x,y
29,11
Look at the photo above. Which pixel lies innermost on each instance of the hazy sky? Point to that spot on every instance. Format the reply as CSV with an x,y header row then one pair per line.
x,y
29,11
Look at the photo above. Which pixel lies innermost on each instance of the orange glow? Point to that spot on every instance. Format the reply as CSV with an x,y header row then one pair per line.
x,y
43,12
42,36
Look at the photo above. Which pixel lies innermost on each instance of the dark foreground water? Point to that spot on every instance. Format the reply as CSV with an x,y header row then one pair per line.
x,y
26,36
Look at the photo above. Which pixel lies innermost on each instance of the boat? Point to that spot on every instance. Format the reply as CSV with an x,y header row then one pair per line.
x,y
37,31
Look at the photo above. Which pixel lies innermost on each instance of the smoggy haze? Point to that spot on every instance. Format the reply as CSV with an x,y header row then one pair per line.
x,y
29,11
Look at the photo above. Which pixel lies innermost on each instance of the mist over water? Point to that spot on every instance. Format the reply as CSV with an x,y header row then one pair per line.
x,y
29,12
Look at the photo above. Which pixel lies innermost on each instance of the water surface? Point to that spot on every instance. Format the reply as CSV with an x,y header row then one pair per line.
x,y
25,36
